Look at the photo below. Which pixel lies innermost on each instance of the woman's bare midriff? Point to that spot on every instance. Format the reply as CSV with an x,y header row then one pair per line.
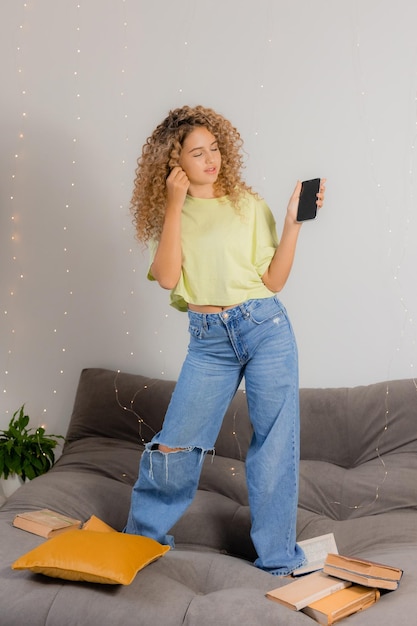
x,y
209,308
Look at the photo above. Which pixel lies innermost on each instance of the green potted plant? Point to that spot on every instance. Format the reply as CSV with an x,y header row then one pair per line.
x,y
25,452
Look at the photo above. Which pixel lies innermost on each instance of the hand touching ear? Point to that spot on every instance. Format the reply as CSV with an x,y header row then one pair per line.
x,y
177,186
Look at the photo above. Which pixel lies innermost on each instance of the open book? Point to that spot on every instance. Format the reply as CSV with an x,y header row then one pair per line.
x,y
316,551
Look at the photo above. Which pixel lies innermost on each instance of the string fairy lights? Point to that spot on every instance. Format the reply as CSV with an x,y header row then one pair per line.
x,y
69,195
128,407
126,184
129,309
24,158
16,275
398,241
60,332
396,254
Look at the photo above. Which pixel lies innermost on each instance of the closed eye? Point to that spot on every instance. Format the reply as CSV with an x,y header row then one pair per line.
x,y
198,152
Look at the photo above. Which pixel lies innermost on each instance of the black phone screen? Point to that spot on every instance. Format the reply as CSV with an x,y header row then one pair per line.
x,y
307,207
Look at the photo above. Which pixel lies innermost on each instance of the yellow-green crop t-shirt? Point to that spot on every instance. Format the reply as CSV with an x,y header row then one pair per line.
x,y
225,251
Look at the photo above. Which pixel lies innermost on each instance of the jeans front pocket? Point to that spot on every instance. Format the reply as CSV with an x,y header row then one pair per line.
x,y
196,330
265,310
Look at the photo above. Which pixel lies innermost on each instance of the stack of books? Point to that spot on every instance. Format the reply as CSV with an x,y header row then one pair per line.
x,y
337,585
363,572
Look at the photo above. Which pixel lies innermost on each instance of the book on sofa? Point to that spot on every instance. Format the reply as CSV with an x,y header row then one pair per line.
x,y
45,523
363,572
316,550
301,592
340,604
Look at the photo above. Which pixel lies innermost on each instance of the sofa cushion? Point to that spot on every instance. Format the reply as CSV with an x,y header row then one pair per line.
x,y
359,449
124,406
377,486
349,426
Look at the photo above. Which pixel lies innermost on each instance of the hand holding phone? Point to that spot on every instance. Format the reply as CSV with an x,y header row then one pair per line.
x,y
307,205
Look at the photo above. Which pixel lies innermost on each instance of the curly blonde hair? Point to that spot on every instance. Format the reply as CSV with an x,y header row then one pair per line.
x,y
161,153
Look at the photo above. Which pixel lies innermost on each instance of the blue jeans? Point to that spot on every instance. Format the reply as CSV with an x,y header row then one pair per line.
x,y
254,340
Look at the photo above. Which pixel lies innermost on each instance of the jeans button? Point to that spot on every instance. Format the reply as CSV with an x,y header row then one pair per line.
x,y
225,316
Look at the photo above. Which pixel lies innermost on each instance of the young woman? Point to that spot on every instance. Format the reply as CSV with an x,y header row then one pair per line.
x,y
214,245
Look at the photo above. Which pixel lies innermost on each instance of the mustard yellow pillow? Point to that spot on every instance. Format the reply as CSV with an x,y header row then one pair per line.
x,y
92,556
94,523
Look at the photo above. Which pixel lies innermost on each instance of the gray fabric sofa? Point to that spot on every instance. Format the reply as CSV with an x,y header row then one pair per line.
x,y
358,479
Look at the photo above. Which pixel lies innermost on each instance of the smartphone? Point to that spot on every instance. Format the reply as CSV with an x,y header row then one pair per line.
x,y
307,207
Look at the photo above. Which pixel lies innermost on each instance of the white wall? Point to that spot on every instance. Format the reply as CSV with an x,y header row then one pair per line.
x,y
324,88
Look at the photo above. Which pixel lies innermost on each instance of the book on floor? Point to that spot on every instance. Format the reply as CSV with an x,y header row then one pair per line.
x,y
340,604
301,592
316,550
362,571
45,523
